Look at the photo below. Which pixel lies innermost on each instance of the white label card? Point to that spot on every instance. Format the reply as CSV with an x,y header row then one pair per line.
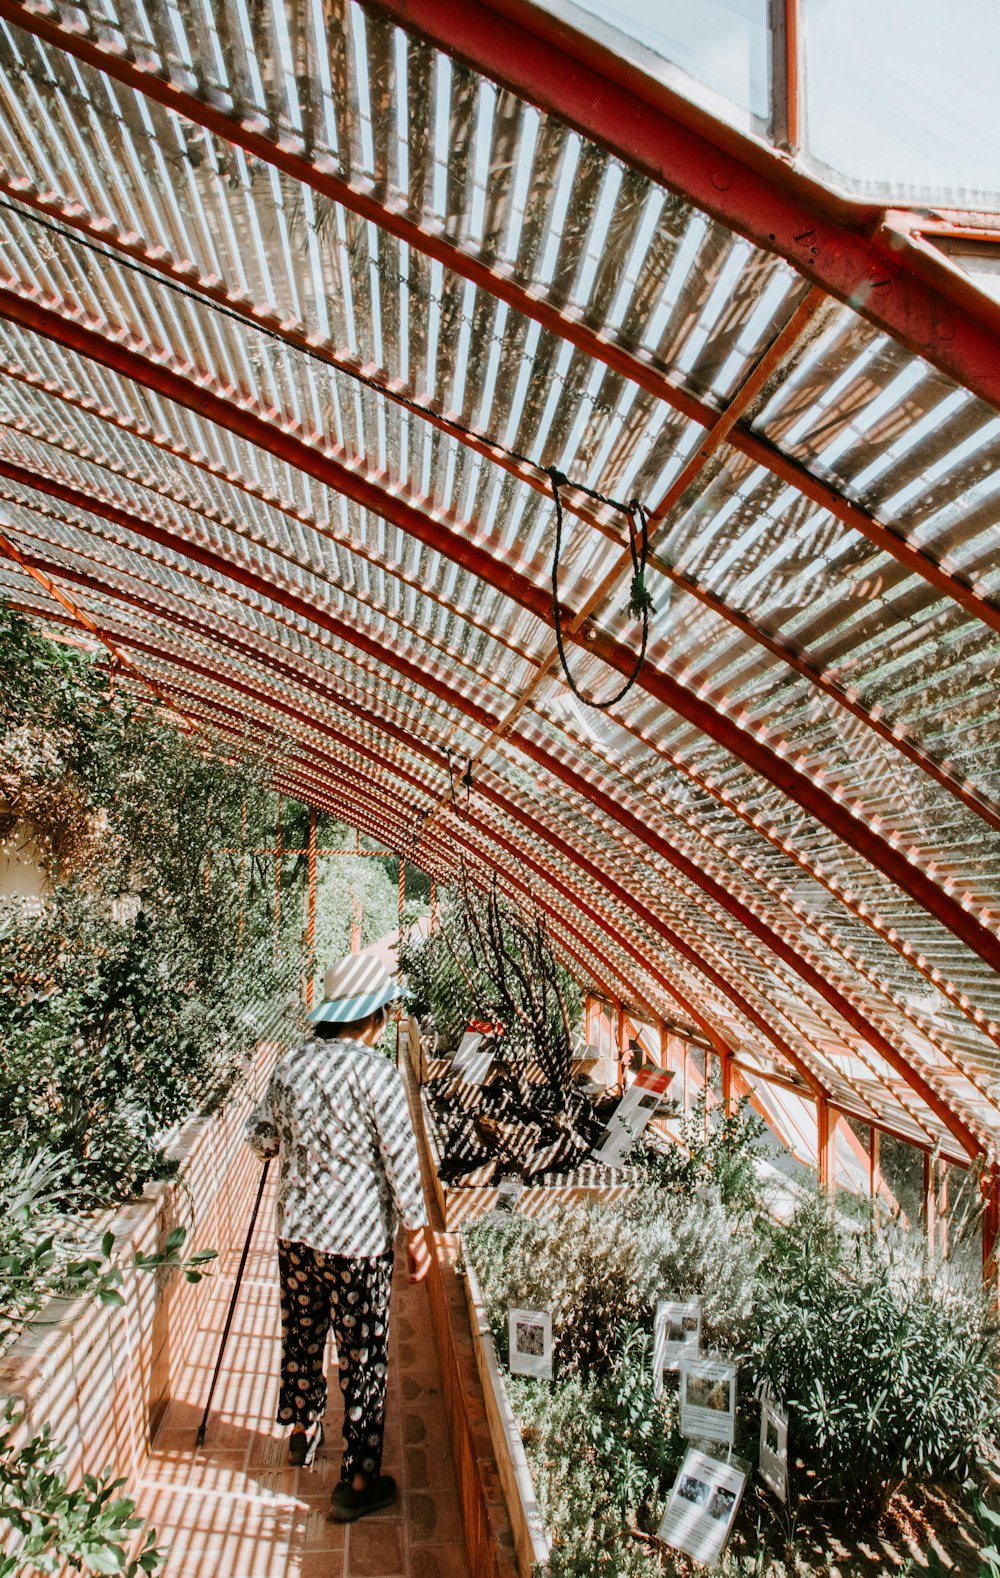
x,y
703,1504
529,1334
632,1114
773,1463
708,1399
475,1068
676,1332
467,1049
507,1193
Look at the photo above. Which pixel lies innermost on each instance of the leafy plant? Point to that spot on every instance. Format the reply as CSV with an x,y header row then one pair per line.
x,y
888,1370
600,1270
714,1149
89,1526
988,1523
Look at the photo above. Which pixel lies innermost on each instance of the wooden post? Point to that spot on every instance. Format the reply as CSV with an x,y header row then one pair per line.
x,y
622,1045
929,1213
728,1098
402,894
664,1046
826,1137
311,908
875,1163
991,1228
243,862
941,1192
277,881
434,905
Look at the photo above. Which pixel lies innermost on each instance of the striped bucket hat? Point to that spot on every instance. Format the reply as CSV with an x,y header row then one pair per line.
x,y
354,988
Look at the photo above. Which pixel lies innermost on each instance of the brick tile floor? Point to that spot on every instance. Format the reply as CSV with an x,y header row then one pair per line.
x,y
237,1509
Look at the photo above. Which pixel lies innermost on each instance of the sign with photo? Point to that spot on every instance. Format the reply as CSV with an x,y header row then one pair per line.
x,y
708,1399
676,1332
632,1114
773,1461
529,1335
703,1504
507,1192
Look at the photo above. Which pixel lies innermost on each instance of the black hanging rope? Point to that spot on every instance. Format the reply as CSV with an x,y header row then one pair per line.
x,y
639,605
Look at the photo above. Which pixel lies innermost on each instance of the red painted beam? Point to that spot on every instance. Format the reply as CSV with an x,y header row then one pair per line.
x,y
634,824
611,807
483,562
956,997
963,789
287,153
834,242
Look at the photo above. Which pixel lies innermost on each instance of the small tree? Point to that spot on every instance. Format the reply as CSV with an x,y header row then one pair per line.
x,y
522,988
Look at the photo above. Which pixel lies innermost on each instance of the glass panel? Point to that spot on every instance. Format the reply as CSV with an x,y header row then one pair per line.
x,y
900,96
958,1220
721,43
852,1141
789,1138
901,1188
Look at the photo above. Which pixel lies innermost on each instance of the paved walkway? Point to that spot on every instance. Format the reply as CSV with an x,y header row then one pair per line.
x,y
237,1509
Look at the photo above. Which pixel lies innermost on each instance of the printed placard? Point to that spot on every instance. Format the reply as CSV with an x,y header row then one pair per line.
x,y
477,1065
529,1335
676,1332
508,1190
703,1504
773,1462
467,1048
708,1399
632,1114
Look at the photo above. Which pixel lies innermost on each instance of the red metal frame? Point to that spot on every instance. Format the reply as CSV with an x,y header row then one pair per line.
x,y
287,154
614,890
644,835
838,243
956,997
279,665
481,561
298,338
648,918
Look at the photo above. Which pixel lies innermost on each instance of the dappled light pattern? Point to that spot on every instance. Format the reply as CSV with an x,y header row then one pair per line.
x,y
237,1507
295,319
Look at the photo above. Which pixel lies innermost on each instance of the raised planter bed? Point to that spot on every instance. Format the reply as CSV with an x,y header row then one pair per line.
x,y
475,1195
101,1377
531,1541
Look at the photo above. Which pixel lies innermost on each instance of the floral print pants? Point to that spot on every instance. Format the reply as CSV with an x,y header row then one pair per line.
x,y
318,1291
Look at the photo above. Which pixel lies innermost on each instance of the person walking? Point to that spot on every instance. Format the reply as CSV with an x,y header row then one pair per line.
x,y
335,1113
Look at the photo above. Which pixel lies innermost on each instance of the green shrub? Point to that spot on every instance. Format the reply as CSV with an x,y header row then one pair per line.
x,y
92,1527
600,1270
890,1371
601,1454
715,1149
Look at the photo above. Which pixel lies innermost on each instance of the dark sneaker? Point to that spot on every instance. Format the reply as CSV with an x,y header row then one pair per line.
x,y
304,1444
346,1504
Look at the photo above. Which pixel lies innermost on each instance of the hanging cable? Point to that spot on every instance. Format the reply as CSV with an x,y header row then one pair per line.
x,y
640,603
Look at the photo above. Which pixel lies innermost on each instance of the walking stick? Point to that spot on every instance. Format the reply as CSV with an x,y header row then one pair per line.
x,y
200,1441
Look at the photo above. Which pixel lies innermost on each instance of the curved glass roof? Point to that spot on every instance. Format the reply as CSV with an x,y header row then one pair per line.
x,y
298,308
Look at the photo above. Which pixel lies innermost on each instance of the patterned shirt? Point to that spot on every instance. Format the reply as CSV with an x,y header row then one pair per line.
x,y
336,1113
